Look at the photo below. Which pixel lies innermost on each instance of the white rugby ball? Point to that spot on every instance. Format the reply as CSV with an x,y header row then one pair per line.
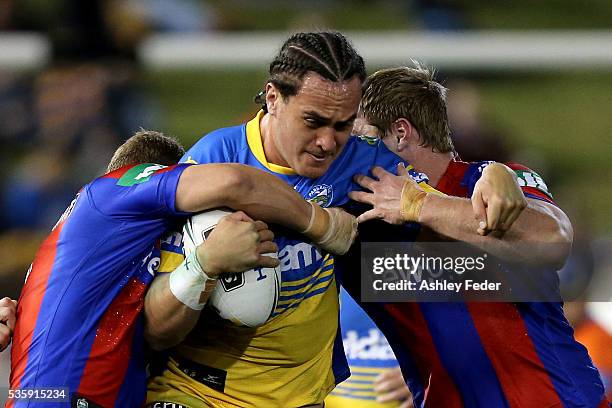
x,y
246,299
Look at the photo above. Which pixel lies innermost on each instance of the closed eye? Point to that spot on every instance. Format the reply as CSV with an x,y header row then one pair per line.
x,y
313,123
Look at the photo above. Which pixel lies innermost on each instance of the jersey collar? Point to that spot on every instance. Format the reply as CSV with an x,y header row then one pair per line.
x,y
253,134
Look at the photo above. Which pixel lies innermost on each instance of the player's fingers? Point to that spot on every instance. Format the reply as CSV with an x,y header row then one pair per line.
x,y
407,403
6,314
372,214
401,170
389,383
494,211
512,218
396,394
507,208
482,219
384,376
267,262
5,336
362,197
365,181
239,216
260,225
268,247
266,235
8,302
379,172
479,208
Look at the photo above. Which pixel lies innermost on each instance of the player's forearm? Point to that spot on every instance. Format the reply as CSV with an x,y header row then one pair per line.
x,y
266,197
541,235
167,320
260,194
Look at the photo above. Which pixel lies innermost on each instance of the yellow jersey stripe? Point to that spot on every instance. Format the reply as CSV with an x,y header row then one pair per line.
x,y
253,135
314,279
342,391
170,261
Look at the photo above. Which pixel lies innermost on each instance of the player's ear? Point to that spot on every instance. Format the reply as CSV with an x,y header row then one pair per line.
x,y
404,132
272,98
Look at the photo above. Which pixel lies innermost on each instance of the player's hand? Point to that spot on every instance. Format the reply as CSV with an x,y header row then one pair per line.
x,y
497,199
333,229
236,245
341,232
396,198
8,311
390,386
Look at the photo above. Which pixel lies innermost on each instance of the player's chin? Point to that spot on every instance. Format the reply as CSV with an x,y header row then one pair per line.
x,y
313,169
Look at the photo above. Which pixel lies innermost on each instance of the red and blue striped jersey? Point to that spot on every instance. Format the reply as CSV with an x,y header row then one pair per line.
x,y
79,324
488,355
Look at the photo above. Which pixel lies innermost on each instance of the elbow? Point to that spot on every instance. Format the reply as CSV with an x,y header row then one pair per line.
x,y
552,229
558,245
561,245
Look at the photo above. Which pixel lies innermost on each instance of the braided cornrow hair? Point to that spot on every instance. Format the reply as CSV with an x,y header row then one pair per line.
x,y
328,53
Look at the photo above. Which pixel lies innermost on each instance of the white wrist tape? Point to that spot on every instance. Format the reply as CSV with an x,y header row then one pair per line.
x,y
188,281
313,212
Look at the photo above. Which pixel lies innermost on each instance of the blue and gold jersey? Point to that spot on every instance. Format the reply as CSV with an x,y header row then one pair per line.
x,y
296,358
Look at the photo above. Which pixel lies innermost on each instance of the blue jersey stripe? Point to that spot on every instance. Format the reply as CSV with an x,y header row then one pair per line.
x,y
458,345
575,378
54,361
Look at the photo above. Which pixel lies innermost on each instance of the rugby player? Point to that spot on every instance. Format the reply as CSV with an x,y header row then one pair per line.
x,y
470,354
79,324
301,136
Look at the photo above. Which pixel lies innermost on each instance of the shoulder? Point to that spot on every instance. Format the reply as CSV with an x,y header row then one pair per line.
x,y
532,183
133,174
365,152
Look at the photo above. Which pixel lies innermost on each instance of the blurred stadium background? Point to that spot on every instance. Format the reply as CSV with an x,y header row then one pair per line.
x,y
531,82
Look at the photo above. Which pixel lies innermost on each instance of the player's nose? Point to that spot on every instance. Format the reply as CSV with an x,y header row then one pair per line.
x,y
326,139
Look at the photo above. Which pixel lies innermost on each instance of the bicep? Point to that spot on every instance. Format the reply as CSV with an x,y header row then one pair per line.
x,y
206,186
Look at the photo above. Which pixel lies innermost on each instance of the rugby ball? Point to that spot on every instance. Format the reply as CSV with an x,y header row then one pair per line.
x,y
247,298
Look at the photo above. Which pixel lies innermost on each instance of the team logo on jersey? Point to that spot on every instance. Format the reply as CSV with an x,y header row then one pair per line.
x,y
321,194
417,175
79,401
139,174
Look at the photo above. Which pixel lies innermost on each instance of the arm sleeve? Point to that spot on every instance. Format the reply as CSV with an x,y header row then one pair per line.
x,y
145,191
531,183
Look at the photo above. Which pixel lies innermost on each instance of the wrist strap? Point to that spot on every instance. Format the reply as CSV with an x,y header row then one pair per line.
x,y
411,202
188,281
319,222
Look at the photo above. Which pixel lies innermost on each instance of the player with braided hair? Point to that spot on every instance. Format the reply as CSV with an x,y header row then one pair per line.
x,y
328,54
302,136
